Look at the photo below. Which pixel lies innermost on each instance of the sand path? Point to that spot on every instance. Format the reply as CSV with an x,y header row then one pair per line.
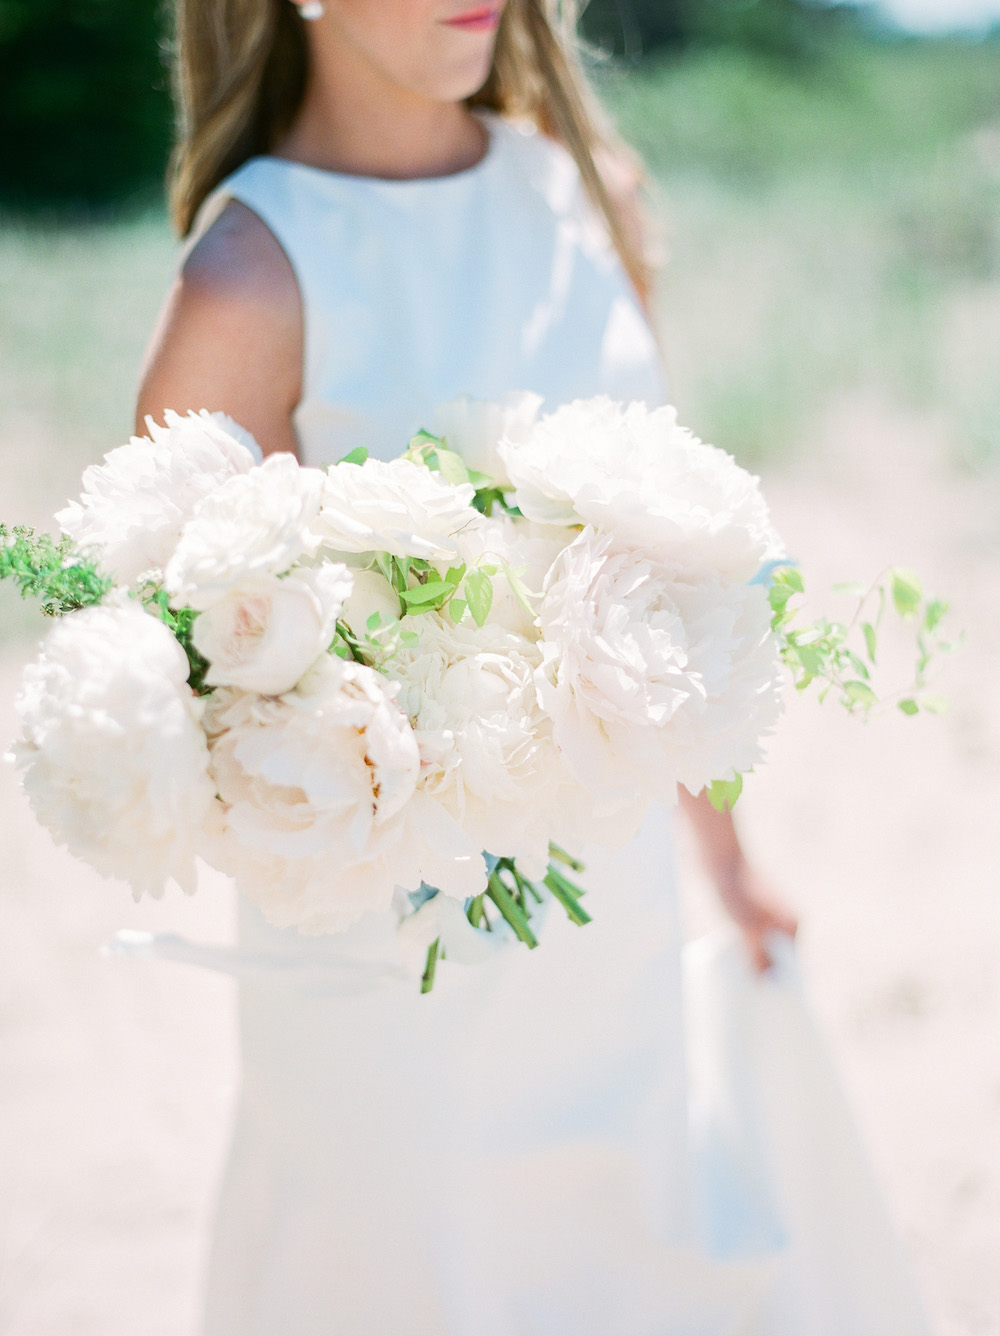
x,y
118,1078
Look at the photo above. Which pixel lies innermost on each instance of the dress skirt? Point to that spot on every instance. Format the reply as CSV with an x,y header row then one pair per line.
x,y
530,1151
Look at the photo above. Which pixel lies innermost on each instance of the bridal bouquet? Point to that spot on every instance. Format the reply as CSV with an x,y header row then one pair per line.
x,y
407,686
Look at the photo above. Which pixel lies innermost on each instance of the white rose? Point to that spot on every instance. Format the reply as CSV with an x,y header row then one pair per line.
x,y
255,524
393,506
652,677
372,595
526,550
474,429
265,632
635,473
314,785
115,761
135,504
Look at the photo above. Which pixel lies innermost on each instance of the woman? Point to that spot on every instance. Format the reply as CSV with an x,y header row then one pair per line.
x,y
374,235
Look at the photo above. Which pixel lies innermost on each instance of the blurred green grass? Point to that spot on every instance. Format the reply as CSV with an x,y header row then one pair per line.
x,y
77,303
831,227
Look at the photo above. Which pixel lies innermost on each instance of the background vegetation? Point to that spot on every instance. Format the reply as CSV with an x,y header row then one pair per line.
x,y
828,205
828,228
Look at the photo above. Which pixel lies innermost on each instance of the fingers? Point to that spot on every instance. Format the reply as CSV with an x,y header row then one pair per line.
x,y
757,934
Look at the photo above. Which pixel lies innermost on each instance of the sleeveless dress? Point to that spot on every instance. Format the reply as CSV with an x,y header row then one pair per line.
x,y
513,1154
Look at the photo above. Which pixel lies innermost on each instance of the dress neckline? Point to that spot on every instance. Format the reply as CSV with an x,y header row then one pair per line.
x,y
493,125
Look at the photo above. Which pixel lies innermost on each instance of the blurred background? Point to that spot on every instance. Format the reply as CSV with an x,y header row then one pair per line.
x,y
825,185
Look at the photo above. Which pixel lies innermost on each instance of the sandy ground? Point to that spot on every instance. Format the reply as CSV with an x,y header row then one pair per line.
x,y
118,1078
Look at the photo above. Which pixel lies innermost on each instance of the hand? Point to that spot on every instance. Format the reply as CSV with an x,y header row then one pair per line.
x,y
746,898
757,911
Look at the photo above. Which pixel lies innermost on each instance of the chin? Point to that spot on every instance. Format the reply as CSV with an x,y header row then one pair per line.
x,y
459,81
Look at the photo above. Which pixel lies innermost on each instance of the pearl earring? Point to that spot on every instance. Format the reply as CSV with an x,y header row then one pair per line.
x,y
312,9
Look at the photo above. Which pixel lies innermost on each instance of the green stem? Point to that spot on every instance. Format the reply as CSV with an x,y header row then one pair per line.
x,y
525,886
567,895
511,910
430,969
561,856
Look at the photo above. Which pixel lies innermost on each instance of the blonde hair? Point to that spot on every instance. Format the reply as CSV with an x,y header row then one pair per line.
x,y
240,77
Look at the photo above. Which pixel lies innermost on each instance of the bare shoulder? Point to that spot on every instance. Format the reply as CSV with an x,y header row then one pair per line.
x,y
239,259
230,335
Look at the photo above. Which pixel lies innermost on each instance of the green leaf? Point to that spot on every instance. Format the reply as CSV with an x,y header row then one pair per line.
x,y
723,793
424,439
457,608
907,591
51,570
519,589
935,704
479,592
909,706
374,622
451,466
857,664
455,575
870,639
789,576
810,658
859,693
933,613
426,595
356,456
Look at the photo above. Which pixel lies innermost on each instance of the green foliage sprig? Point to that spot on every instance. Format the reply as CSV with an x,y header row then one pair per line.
x,y
180,623
513,896
434,453
419,584
50,570
842,656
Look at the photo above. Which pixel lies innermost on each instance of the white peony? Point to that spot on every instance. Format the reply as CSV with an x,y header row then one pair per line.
x,y
115,761
266,631
486,751
321,821
637,474
255,524
393,506
135,504
474,429
650,676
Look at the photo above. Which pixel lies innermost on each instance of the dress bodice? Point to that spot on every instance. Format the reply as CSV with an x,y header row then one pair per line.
x,y
415,292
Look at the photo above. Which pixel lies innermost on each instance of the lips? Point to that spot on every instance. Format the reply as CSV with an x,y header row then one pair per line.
x,y
483,19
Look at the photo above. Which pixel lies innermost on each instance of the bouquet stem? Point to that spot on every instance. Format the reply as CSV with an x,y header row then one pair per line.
x,y
430,969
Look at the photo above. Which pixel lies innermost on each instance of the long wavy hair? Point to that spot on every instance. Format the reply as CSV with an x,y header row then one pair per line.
x,y
240,77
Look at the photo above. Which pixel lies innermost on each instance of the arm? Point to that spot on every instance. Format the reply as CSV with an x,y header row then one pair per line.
x,y
743,894
229,338
745,898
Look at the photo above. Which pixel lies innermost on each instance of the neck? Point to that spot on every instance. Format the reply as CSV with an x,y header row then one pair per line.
x,y
354,121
